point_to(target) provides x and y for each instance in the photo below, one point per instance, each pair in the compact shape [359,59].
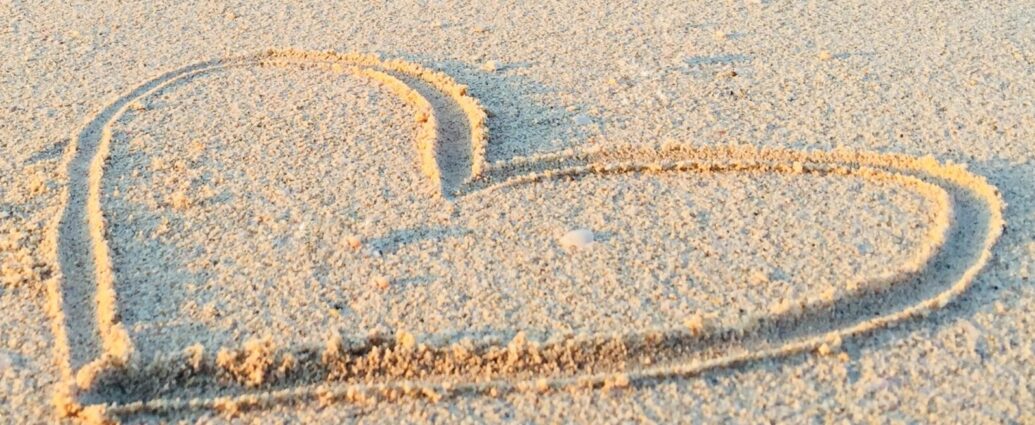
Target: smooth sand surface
[578,212]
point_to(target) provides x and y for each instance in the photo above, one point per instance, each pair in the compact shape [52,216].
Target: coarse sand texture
[341,235]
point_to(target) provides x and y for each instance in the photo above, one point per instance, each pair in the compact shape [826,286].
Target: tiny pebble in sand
[577,239]
[490,66]
[353,242]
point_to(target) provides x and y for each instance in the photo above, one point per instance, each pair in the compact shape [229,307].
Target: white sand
[233,200]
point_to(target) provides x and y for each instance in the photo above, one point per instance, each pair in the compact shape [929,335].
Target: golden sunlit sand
[318,235]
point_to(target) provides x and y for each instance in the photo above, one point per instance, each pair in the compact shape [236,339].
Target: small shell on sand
[577,239]
[825,55]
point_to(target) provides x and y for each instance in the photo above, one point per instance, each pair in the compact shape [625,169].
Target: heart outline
[117,350]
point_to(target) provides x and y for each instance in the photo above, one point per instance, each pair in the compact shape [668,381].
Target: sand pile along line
[111,379]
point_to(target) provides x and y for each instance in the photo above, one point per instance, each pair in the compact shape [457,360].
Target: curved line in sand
[890,168]
[88,153]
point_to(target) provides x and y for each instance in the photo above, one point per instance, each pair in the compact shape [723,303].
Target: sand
[799,212]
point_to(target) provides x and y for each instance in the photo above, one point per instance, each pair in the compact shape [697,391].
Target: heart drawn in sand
[106,375]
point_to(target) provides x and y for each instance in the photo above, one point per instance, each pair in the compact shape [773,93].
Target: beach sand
[580,212]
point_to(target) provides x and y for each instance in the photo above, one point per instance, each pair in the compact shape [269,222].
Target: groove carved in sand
[110,379]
